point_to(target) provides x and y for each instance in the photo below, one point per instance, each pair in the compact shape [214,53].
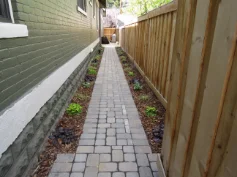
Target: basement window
[8,28]
[4,11]
[82,6]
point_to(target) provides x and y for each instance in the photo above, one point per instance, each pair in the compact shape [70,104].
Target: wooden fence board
[148,42]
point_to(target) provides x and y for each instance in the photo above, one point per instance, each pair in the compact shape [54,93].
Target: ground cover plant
[74,109]
[150,109]
[64,139]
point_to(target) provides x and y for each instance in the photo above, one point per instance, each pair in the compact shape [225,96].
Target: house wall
[39,74]
[57,32]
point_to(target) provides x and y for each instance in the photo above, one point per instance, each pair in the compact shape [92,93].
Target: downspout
[100,25]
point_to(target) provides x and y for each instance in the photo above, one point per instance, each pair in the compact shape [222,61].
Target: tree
[141,7]
[113,3]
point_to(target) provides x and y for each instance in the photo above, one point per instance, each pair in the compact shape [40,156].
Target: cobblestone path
[113,143]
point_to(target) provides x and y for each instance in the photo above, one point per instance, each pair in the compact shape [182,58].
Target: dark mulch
[68,129]
[153,126]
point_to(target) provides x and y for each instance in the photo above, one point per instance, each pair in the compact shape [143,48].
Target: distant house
[45,46]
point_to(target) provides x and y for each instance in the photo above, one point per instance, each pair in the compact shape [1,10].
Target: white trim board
[15,118]
[11,30]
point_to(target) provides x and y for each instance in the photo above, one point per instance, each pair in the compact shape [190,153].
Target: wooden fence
[200,87]
[201,127]
[109,31]
[149,42]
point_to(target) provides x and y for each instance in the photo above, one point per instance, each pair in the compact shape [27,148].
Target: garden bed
[69,128]
[150,109]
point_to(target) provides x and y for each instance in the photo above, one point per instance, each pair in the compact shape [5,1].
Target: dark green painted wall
[57,32]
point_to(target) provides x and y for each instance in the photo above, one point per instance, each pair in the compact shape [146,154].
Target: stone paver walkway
[113,143]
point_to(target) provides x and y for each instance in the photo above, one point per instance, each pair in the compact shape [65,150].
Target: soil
[68,129]
[153,125]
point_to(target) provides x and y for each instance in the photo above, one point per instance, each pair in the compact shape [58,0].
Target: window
[4,11]
[82,6]
[8,28]
[94,8]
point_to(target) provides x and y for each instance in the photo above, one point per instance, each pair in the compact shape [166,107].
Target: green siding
[57,32]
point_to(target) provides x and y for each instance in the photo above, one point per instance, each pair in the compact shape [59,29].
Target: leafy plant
[131,73]
[82,97]
[92,67]
[126,64]
[92,71]
[97,57]
[144,97]
[94,64]
[74,109]
[137,86]
[127,69]
[151,111]
[86,84]
[123,58]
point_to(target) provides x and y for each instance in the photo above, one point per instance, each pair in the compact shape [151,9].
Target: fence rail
[149,43]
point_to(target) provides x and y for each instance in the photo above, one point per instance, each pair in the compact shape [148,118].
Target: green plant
[97,57]
[126,65]
[82,97]
[137,86]
[144,97]
[127,69]
[92,71]
[94,64]
[131,73]
[92,67]
[86,84]
[151,111]
[123,58]
[74,109]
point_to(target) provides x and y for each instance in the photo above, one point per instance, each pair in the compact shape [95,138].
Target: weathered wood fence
[149,42]
[200,137]
[109,31]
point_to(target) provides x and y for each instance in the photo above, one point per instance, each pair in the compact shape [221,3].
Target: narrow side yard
[113,142]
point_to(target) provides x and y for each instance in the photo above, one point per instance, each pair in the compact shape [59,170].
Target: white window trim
[81,10]
[90,2]
[12,30]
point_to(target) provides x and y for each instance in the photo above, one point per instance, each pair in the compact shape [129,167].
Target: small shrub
[137,86]
[82,97]
[97,57]
[126,65]
[86,84]
[92,67]
[94,64]
[131,73]
[127,69]
[144,97]
[92,71]
[151,111]
[74,109]
[123,58]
